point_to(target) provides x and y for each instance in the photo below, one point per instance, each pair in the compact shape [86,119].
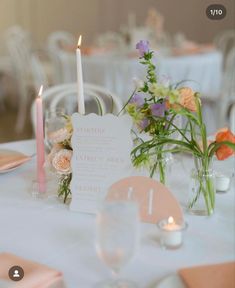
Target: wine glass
[117,232]
[54,121]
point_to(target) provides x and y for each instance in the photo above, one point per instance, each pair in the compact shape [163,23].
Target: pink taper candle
[40,143]
[81,104]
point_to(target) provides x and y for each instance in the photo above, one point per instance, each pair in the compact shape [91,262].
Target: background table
[116,72]
[53,235]
[202,72]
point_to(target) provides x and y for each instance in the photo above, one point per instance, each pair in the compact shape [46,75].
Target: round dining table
[202,71]
[46,231]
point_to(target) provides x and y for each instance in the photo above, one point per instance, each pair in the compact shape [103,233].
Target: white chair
[57,42]
[228,88]
[97,99]
[225,41]
[19,47]
[111,40]
[232,118]
[39,75]
[5,71]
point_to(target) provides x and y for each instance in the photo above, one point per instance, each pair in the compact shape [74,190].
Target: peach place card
[101,156]
[155,200]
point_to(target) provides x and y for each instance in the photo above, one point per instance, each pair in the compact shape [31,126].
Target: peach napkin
[9,161]
[209,276]
[35,275]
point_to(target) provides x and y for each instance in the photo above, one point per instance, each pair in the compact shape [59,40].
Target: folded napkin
[35,275]
[8,161]
[209,276]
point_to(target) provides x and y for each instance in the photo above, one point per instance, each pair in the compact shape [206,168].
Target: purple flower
[143,123]
[158,109]
[143,47]
[137,99]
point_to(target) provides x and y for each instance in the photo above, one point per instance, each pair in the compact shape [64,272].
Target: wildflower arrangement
[154,106]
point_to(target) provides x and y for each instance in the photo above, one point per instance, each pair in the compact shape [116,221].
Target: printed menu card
[101,156]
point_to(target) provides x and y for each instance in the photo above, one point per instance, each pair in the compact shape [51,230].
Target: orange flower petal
[187,99]
[224,151]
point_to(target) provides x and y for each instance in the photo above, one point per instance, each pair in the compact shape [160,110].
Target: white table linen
[202,72]
[116,72]
[54,236]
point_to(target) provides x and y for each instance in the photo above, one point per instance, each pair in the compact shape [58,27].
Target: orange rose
[187,98]
[224,151]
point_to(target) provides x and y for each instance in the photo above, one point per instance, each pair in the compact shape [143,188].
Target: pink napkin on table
[35,275]
[209,276]
[9,161]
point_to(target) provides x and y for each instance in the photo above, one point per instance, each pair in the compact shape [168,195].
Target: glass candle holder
[50,188]
[171,236]
[222,182]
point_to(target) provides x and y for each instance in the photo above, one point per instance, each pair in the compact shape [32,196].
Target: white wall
[90,17]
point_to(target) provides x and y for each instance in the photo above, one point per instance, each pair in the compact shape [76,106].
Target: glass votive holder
[222,182]
[171,233]
[48,189]
[37,190]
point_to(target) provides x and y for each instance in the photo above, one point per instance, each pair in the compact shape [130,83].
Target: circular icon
[16,273]
[216,11]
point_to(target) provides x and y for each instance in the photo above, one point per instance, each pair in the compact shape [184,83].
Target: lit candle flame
[171,220]
[40,91]
[79,41]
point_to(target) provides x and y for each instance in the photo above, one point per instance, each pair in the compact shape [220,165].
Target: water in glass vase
[202,188]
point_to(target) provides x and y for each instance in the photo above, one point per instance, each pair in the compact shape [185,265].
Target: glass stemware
[117,232]
[54,121]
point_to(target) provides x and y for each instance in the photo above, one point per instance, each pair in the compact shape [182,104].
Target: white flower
[58,135]
[138,83]
[61,161]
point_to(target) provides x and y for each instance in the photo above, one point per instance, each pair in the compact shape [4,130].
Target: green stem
[205,184]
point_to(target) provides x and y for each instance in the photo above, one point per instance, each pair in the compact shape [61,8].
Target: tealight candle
[171,233]
[222,182]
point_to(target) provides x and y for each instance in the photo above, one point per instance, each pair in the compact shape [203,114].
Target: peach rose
[58,135]
[56,148]
[61,161]
[224,151]
[187,99]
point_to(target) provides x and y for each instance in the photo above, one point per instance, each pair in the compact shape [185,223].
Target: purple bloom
[143,123]
[158,109]
[137,99]
[143,47]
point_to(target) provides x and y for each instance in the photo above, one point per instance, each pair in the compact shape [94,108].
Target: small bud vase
[202,188]
[160,170]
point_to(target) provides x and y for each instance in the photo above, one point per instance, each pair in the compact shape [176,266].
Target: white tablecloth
[55,236]
[116,72]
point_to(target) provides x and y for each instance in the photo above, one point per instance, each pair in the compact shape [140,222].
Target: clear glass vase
[161,168]
[202,188]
